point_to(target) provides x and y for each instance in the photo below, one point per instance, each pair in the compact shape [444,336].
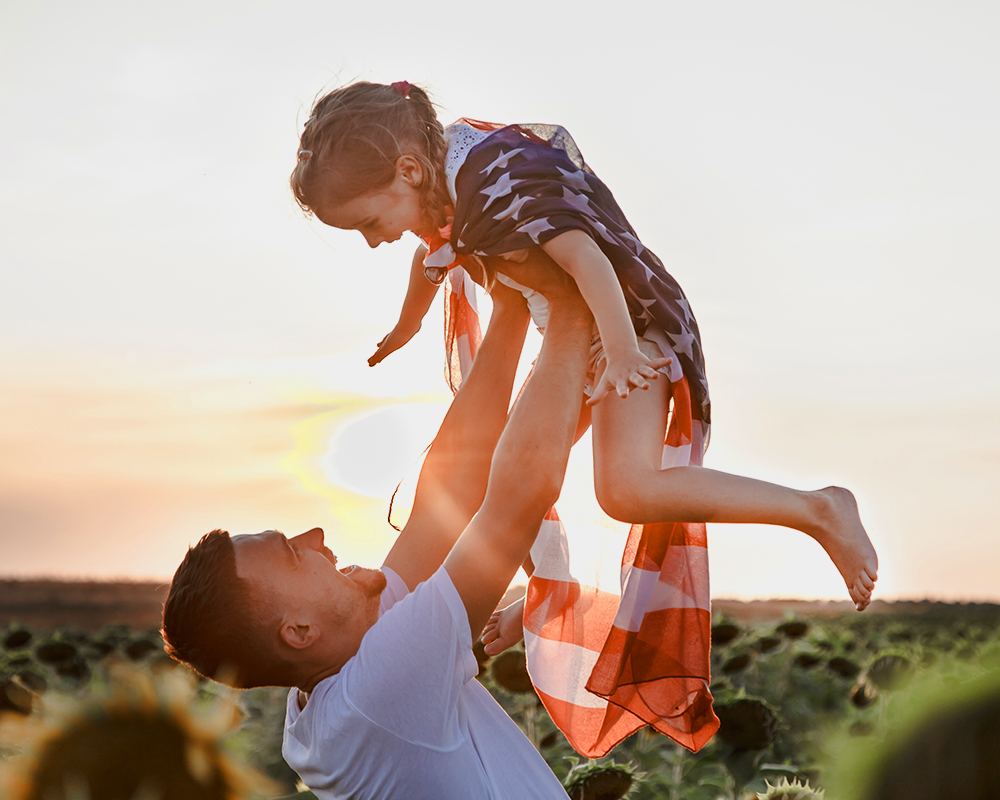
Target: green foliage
[794,686]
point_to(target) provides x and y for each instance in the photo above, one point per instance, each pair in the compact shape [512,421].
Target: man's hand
[539,272]
[506,298]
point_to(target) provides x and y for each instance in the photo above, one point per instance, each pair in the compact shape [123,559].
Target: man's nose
[312,538]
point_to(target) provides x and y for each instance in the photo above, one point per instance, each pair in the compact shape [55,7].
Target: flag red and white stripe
[610,654]
[611,651]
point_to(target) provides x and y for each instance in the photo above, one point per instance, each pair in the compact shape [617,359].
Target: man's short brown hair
[212,619]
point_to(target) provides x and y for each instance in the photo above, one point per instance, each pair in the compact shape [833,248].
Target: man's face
[299,576]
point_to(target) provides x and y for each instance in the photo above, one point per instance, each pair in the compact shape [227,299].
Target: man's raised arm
[530,460]
[453,477]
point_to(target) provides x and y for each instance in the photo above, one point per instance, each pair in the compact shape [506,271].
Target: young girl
[375,159]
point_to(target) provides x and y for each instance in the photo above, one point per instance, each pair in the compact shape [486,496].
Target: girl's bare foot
[845,540]
[505,628]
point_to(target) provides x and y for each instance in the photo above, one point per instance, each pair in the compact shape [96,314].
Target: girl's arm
[419,294]
[627,367]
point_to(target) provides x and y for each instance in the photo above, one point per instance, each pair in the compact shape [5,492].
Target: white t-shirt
[405,718]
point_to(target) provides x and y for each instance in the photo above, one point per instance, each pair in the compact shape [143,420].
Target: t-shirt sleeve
[412,664]
[395,590]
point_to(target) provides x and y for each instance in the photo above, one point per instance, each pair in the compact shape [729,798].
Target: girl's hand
[623,373]
[392,341]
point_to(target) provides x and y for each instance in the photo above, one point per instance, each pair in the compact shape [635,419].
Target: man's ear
[410,170]
[298,636]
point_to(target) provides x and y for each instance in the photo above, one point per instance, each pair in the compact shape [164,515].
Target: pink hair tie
[403,87]
[304,155]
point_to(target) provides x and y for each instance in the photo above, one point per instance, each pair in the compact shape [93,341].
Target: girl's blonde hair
[354,137]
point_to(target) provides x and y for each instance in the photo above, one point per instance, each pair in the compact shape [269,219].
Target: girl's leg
[631,486]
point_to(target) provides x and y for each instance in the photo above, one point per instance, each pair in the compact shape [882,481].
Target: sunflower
[140,739]
[790,791]
[510,670]
[746,723]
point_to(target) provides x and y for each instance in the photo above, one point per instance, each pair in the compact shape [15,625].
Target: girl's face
[384,215]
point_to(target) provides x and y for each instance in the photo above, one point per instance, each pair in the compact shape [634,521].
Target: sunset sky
[180,349]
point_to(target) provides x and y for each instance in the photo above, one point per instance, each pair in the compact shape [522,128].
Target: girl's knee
[616,495]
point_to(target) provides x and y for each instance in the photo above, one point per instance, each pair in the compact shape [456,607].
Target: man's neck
[329,658]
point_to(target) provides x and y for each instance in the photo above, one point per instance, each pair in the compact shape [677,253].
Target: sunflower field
[808,705]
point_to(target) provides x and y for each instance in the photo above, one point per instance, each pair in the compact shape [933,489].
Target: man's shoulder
[438,591]
[394,591]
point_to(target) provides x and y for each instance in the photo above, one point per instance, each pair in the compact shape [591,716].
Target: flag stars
[636,244]
[499,189]
[535,228]
[645,315]
[682,342]
[683,303]
[514,209]
[520,207]
[576,179]
[501,161]
[603,230]
[578,201]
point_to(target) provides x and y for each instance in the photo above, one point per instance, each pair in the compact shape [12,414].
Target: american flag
[606,658]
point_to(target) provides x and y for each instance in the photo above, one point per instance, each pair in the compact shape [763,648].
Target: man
[384,704]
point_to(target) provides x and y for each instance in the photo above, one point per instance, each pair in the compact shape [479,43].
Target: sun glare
[370,454]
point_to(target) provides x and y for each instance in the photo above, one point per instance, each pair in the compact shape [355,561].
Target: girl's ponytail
[435,193]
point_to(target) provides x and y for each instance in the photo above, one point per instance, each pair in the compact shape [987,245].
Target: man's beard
[374,582]
[379,584]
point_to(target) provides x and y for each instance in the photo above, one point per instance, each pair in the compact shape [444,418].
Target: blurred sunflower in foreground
[141,739]
[942,738]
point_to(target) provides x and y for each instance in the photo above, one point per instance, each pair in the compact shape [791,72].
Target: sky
[181,349]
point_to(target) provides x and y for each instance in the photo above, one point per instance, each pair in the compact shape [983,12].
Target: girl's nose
[373,240]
